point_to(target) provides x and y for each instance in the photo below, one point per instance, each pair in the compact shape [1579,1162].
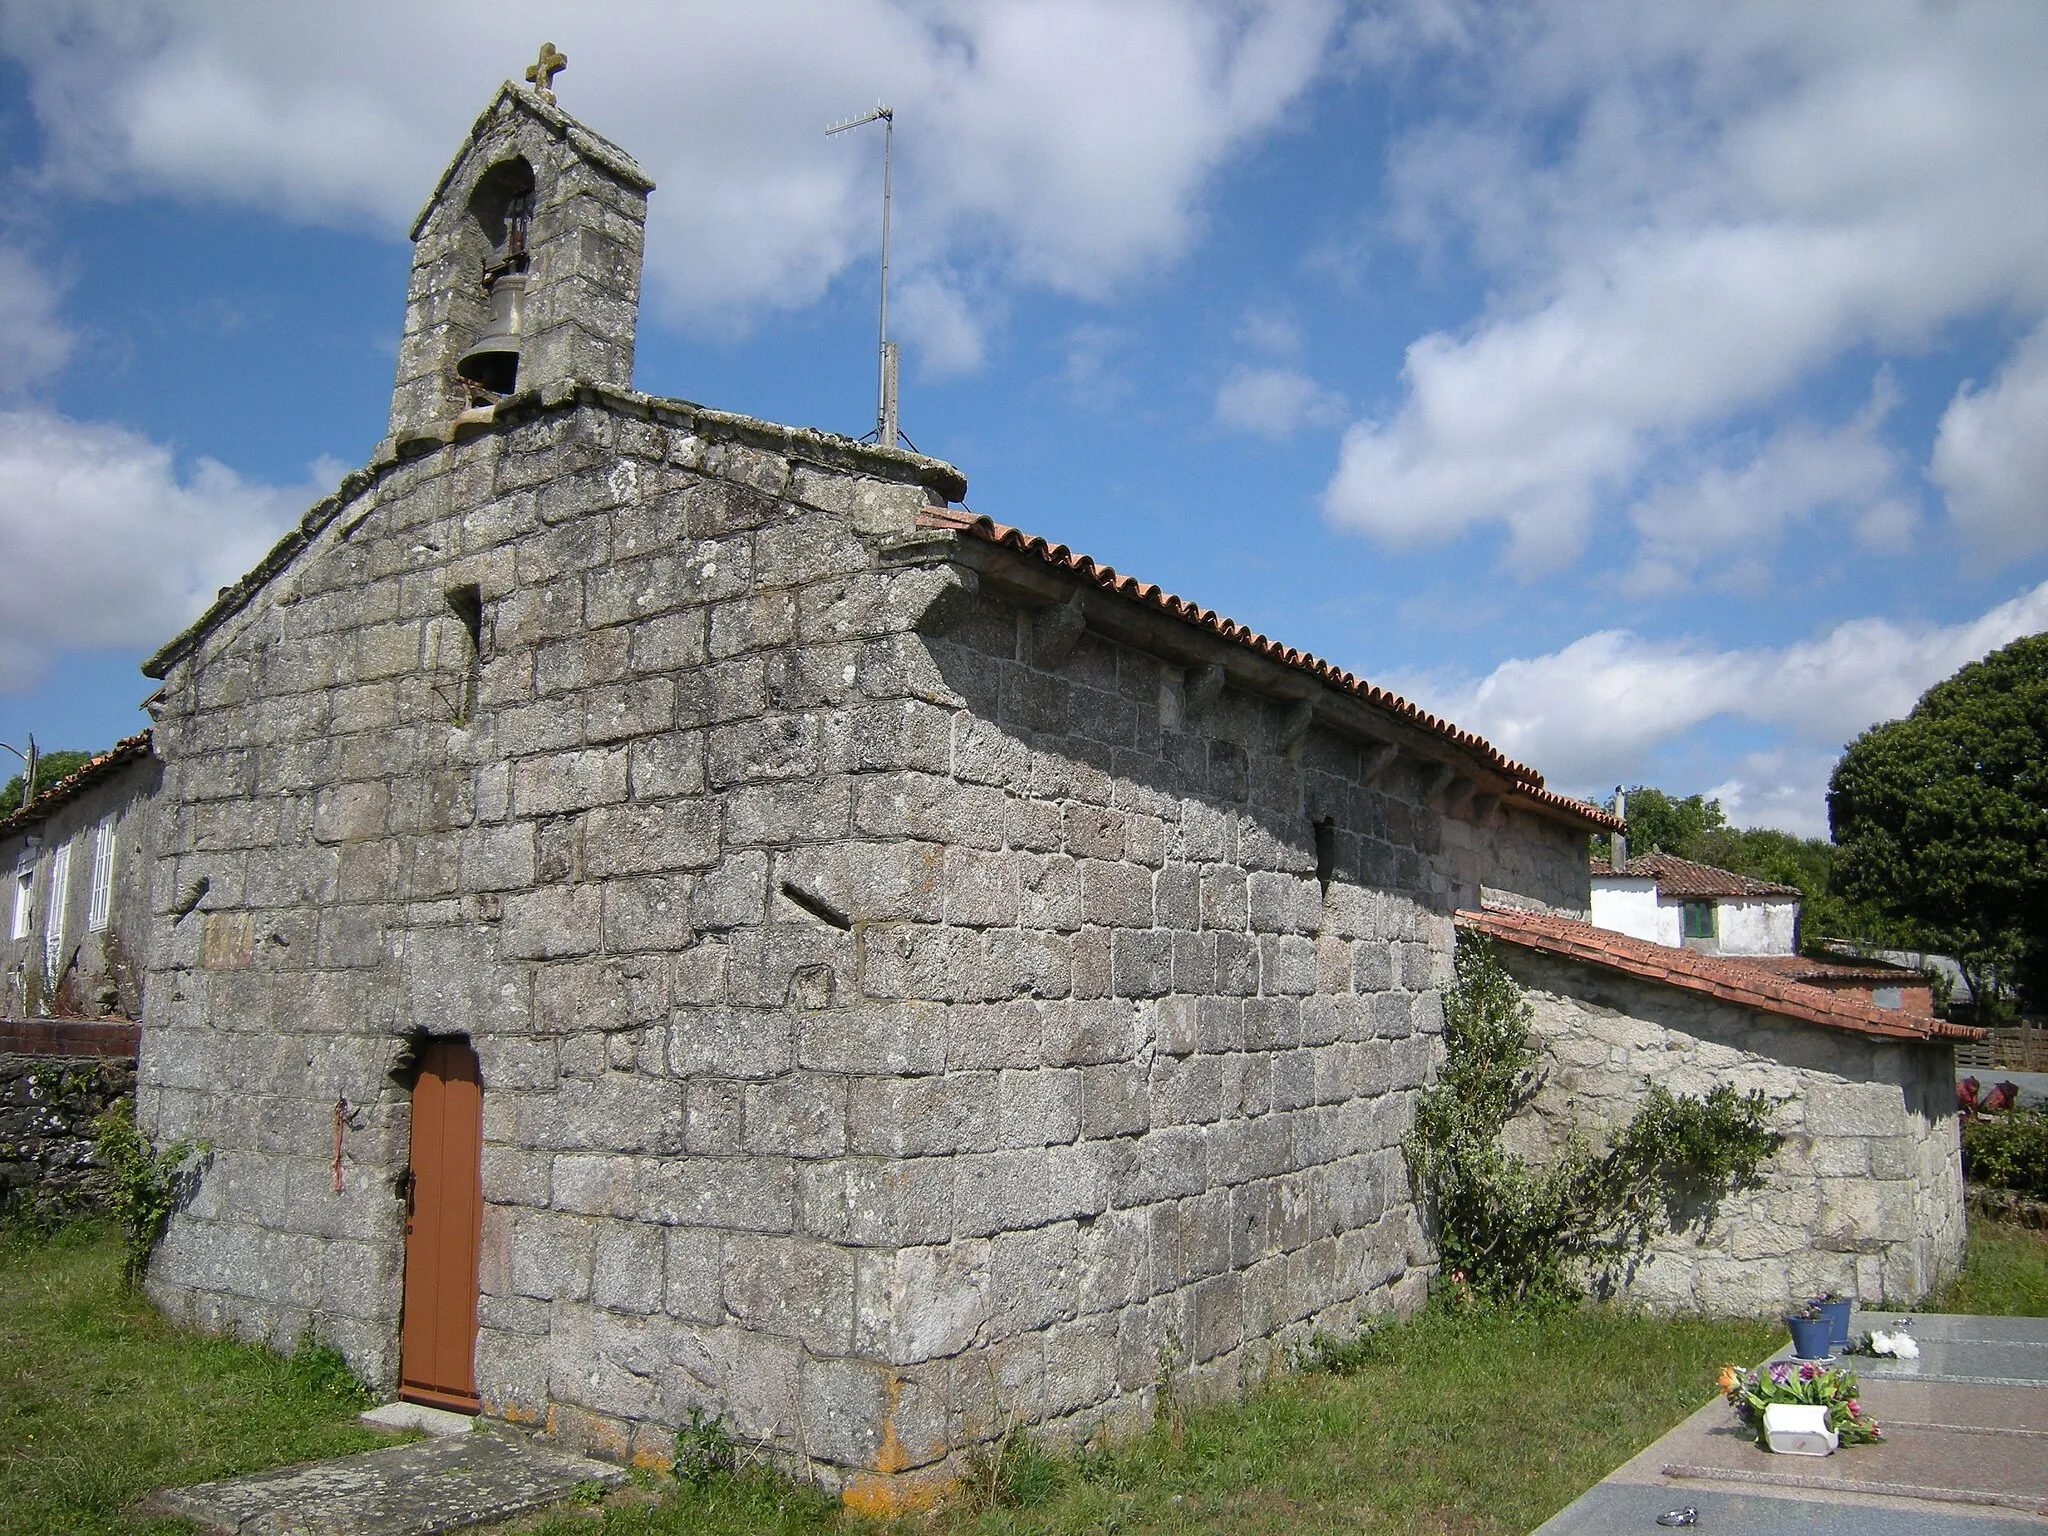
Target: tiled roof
[87,774]
[1806,968]
[1683,878]
[1731,980]
[1528,782]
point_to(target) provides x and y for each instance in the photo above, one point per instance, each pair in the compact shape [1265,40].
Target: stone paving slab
[1631,1509]
[1983,1351]
[1952,1325]
[1964,1453]
[1961,1450]
[410,1490]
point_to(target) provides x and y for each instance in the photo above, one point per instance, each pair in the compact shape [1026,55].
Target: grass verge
[1457,1424]
[1469,1424]
[101,1400]
[2005,1273]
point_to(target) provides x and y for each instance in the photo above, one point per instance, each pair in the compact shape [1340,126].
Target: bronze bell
[492,360]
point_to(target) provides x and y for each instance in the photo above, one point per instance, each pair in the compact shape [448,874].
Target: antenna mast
[885,407]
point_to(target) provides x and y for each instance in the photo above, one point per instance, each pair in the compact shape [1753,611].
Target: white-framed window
[24,896]
[100,897]
[57,893]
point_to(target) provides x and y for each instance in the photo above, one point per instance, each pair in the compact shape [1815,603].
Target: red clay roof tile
[83,776]
[1807,969]
[1732,979]
[1683,877]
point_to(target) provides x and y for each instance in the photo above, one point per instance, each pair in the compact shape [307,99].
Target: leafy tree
[1657,820]
[1942,819]
[50,767]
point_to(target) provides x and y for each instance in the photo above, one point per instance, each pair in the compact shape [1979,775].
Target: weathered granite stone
[48,1103]
[900,1015]
[1866,1195]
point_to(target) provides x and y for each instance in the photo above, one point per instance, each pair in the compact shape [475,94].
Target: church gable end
[916,986]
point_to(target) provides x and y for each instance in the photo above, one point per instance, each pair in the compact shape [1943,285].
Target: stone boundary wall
[70,1037]
[56,1077]
[2006,1206]
[1866,1195]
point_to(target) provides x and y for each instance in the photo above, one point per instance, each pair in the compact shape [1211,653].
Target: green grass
[101,1400]
[2005,1274]
[1457,1424]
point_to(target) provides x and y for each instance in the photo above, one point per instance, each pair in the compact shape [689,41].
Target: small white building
[1663,899]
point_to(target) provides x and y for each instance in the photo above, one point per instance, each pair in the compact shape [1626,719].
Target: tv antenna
[885,405]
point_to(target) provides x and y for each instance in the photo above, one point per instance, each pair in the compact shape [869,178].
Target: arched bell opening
[501,207]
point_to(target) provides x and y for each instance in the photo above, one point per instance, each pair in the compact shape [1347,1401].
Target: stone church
[659,911]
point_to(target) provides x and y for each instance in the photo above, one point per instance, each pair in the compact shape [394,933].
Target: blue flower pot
[1837,1314]
[1810,1337]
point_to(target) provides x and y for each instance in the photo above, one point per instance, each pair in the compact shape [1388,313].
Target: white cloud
[1594,713]
[1055,142]
[1275,402]
[946,330]
[1785,787]
[1991,455]
[1271,333]
[34,343]
[1738,512]
[1744,193]
[1096,372]
[109,545]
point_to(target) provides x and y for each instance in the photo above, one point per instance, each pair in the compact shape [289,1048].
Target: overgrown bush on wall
[147,1183]
[2008,1151]
[1518,1232]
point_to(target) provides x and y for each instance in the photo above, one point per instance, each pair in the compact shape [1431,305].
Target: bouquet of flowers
[1900,1345]
[1795,1381]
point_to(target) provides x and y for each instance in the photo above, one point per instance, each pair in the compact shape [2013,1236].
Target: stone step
[429,1421]
[444,1483]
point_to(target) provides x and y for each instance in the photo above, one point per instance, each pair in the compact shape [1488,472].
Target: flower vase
[1836,1311]
[1810,1337]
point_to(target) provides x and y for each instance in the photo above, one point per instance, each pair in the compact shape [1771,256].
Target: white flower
[1904,1347]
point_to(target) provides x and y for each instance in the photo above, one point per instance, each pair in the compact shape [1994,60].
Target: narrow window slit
[467,604]
[1326,852]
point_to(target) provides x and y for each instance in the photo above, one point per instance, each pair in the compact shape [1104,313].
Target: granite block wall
[891,1028]
[1866,1196]
[56,1078]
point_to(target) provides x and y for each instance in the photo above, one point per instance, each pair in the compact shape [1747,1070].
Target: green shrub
[147,1183]
[2008,1151]
[1513,1232]
[704,1450]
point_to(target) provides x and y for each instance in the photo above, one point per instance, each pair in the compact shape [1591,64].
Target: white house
[1667,900]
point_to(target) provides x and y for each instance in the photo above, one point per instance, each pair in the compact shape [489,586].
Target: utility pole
[28,762]
[885,407]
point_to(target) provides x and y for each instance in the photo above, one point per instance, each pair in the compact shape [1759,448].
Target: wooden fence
[2018,1048]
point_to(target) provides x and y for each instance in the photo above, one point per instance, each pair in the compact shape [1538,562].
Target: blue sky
[1658,390]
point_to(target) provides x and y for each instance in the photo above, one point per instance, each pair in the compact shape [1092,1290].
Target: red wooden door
[443,1230]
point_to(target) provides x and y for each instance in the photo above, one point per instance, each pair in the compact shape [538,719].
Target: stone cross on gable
[542,71]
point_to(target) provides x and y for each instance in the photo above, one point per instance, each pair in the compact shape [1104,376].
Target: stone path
[440,1484]
[1966,1452]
